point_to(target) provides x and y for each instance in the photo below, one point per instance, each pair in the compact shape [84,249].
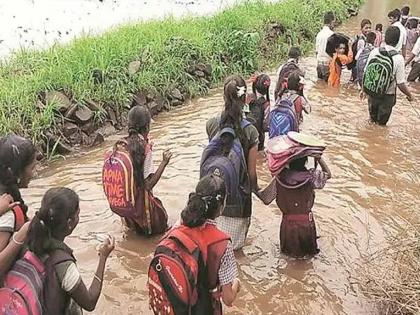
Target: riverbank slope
[76,94]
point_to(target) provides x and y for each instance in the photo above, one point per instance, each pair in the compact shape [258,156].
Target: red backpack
[118,180]
[184,269]
[25,284]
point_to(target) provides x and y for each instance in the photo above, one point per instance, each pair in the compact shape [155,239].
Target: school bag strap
[19,217]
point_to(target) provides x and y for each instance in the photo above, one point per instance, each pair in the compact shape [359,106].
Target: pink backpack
[118,181]
[25,284]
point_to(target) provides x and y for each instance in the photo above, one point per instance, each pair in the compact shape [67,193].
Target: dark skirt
[298,235]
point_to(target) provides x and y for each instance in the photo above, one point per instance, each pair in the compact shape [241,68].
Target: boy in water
[394,17]
[360,43]
[414,56]
[339,59]
[380,108]
[323,59]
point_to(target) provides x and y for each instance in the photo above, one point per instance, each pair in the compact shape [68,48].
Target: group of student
[193,268]
[377,62]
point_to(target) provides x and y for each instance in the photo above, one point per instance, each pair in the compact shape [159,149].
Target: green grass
[165,48]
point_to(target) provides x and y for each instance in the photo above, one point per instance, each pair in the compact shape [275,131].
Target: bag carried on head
[125,198]
[25,284]
[361,62]
[231,167]
[283,118]
[379,73]
[183,271]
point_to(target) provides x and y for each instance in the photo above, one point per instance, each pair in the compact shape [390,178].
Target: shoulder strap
[245,123]
[19,217]
[393,53]
[184,238]
[58,256]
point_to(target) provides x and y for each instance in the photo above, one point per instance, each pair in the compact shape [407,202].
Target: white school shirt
[403,36]
[321,44]
[416,50]
[398,71]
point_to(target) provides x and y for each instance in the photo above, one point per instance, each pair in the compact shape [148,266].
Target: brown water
[375,188]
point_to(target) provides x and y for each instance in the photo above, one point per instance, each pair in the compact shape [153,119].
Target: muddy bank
[75,95]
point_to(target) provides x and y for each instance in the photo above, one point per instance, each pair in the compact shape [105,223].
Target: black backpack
[379,74]
[285,71]
[352,64]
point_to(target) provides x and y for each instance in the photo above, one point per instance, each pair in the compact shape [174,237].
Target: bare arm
[252,167]
[403,88]
[324,167]
[11,250]
[410,58]
[230,291]
[85,298]
[152,180]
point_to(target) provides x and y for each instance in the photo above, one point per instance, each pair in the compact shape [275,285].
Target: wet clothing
[336,64]
[323,71]
[236,228]
[295,198]
[380,108]
[152,217]
[323,59]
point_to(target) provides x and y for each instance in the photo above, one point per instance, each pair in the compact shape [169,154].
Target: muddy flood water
[374,190]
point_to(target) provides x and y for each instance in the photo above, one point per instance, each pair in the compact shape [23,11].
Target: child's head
[329,19]
[207,202]
[295,53]
[295,81]
[261,84]
[57,218]
[405,10]
[392,36]
[394,16]
[298,164]
[379,27]
[17,161]
[340,48]
[412,24]
[234,94]
[139,120]
[371,37]
[365,26]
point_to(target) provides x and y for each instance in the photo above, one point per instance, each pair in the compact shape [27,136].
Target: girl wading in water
[236,218]
[18,158]
[215,279]
[131,161]
[64,289]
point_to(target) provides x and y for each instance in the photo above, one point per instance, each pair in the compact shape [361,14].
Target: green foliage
[230,41]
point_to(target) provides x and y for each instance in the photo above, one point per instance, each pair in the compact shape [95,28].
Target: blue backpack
[282,118]
[231,167]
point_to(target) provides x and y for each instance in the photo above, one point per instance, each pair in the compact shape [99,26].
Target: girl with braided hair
[64,290]
[150,216]
[258,103]
[236,219]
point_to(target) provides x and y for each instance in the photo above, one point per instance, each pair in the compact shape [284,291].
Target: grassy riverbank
[96,82]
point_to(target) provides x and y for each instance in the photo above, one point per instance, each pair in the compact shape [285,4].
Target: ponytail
[138,124]
[57,206]
[205,202]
